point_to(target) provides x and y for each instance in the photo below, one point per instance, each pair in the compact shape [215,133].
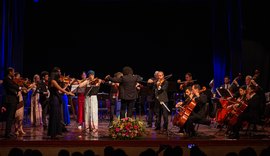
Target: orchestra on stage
[53,97]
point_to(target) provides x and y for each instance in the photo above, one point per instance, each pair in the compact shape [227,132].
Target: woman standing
[36,109]
[55,126]
[91,102]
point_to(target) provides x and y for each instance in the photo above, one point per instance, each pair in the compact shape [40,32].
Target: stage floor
[208,136]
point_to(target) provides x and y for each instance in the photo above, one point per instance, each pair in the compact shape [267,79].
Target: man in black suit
[199,113]
[161,101]
[44,96]
[127,90]
[11,90]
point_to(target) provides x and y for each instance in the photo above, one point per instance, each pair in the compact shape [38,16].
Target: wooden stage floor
[210,139]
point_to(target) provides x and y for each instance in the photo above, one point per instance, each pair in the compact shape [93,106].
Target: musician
[91,102]
[55,126]
[65,102]
[223,102]
[81,101]
[199,114]
[182,104]
[150,98]
[36,109]
[114,96]
[63,85]
[249,81]
[233,108]
[252,81]
[127,90]
[251,114]
[161,96]
[226,84]
[44,97]
[20,109]
[11,99]
[188,82]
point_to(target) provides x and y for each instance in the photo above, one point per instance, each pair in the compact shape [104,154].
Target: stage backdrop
[210,39]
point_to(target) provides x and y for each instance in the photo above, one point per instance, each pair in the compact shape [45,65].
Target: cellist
[198,115]
[233,109]
[181,106]
[250,114]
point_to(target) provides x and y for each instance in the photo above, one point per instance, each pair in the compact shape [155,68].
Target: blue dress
[65,109]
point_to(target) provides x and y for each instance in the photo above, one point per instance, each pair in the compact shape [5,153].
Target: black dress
[54,127]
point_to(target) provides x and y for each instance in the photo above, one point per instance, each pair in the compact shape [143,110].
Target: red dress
[80,108]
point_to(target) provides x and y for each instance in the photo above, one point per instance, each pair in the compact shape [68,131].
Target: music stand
[222,92]
[76,89]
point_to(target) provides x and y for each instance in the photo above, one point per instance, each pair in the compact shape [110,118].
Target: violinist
[23,83]
[55,125]
[150,98]
[91,102]
[20,107]
[114,97]
[161,95]
[11,90]
[44,97]
[36,109]
[66,83]
[81,98]
[188,82]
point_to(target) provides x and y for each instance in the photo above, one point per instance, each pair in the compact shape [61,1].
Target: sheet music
[77,89]
[222,92]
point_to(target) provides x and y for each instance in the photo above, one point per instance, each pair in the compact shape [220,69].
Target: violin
[183,84]
[159,82]
[66,79]
[22,82]
[96,81]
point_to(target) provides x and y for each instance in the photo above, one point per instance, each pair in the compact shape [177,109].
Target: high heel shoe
[22,132]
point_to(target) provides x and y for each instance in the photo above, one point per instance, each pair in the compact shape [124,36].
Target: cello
[237,108]
[182,116]
[232,116]
[189,104]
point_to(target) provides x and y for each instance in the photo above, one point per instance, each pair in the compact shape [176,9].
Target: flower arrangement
[126,128]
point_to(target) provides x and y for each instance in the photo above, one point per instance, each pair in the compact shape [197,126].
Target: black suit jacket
[162,95]
[11,90]
[127,86]
[42,87]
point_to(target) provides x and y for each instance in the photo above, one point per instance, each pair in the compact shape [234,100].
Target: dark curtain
[11,53]
[12,19]
[226,39]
